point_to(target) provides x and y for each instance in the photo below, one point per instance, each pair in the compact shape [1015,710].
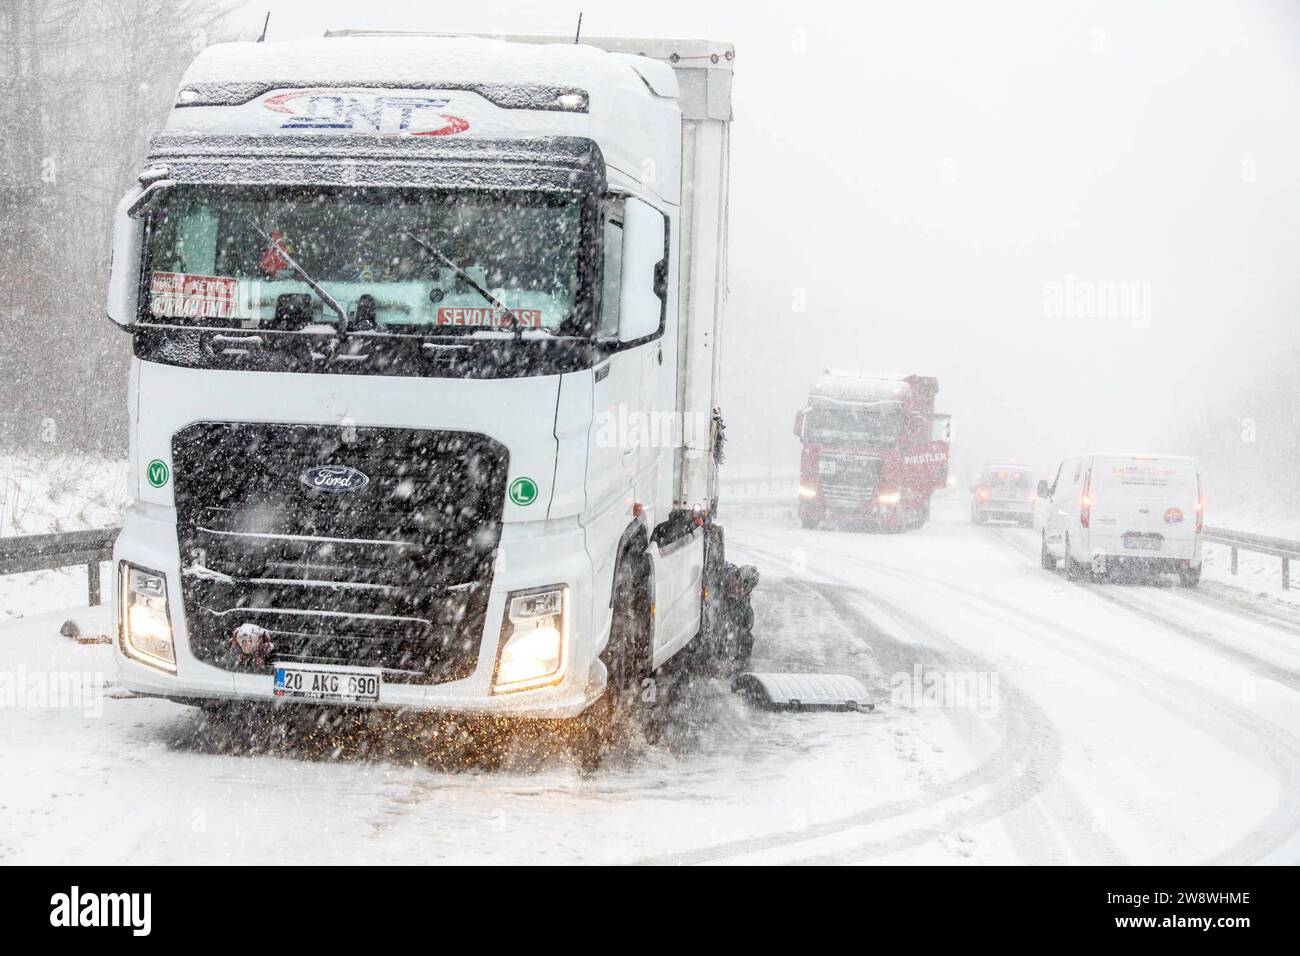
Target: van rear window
[1005,478]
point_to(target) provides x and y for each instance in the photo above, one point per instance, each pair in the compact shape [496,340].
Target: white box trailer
[703,71]
[424,396]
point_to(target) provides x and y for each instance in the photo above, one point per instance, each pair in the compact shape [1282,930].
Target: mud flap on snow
[788,692]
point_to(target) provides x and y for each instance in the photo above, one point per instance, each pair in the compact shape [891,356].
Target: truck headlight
[144,629]
[890,498]
[807,491]
[534,640]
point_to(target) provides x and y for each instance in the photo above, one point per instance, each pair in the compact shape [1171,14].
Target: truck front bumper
[530,555]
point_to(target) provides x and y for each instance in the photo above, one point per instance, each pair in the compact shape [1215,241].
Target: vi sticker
[158,472]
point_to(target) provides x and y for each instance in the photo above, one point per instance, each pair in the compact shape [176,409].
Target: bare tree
[84,82]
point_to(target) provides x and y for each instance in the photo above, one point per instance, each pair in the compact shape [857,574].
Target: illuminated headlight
[535,640]
[807,491]
[890,498]
[145,630]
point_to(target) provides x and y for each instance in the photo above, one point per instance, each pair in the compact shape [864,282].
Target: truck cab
[422,401]
[872,450]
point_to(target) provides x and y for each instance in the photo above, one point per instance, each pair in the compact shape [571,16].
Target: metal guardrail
[759,487]
[45,552]
[1259,544]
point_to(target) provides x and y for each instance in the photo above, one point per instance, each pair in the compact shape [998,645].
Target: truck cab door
[926,454]
[616,393]
[646,284]
[647,328]
[627,447]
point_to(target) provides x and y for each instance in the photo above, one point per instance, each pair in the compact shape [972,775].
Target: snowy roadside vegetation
[54,494]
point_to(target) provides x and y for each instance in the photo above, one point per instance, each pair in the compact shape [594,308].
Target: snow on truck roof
[425,60]
[622,94]
[856,387]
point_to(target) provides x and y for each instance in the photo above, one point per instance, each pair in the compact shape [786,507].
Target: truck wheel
[627,664]
[736,637]
[1047,558]
[808,522]
[727,642]
[976,516]
[1189,577]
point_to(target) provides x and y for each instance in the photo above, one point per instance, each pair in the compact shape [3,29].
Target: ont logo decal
[366,112]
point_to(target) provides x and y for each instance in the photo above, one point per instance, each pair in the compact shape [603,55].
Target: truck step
[788,692]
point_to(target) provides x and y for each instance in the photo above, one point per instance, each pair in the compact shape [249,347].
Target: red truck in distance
[873,450]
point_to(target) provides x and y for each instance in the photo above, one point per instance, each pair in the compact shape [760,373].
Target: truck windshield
[875,425]
[219,256]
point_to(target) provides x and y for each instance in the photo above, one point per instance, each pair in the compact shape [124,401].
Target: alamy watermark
[965,690]
[53,690]
[128,910]
[1077,298]
[624,427]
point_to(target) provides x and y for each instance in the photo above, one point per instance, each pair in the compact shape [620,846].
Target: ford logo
[334,478]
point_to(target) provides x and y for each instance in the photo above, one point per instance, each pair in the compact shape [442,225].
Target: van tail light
[1200,506]
[1085,503]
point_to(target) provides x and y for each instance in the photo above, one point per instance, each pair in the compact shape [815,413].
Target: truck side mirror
[1043,490]
[124,273]
[798,423]
[645,253]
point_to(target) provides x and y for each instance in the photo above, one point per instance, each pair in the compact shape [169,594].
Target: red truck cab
[873,450]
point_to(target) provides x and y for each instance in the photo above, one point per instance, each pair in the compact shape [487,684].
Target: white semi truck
[423,402]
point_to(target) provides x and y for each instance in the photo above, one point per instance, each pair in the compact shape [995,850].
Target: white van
[1123,512]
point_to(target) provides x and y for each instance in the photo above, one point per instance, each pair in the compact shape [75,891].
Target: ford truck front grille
[363,546]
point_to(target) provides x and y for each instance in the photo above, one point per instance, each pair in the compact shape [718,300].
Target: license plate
[1142,542]
[327,682]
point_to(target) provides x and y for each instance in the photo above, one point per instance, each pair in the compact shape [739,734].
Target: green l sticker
[523,491]
[158,472]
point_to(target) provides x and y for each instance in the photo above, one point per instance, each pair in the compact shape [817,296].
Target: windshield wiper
[324,296]
[515,323]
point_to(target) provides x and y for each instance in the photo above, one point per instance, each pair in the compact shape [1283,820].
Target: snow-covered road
[1087,723]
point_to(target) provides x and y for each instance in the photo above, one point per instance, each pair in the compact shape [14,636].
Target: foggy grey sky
[918,172]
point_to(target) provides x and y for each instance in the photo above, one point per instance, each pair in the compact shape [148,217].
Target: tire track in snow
[1020,768]
[1155,603]
[1273,746]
